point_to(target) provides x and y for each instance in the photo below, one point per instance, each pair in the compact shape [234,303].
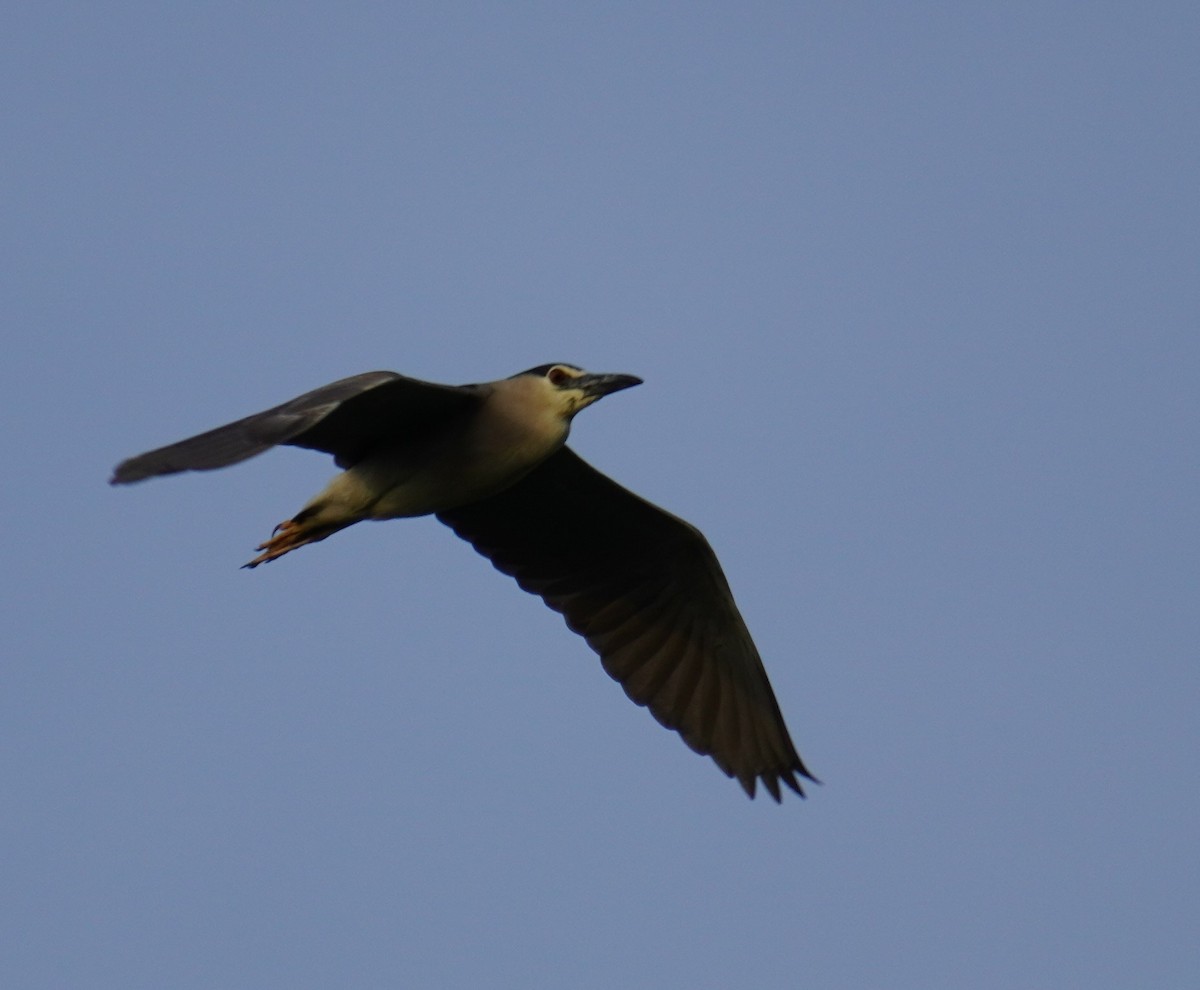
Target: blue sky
[914,292]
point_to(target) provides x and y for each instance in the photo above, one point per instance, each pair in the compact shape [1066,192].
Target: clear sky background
[914,289]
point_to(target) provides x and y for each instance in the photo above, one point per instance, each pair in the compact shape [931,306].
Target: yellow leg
[287,536]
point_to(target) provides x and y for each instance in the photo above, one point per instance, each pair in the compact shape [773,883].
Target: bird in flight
[641,586]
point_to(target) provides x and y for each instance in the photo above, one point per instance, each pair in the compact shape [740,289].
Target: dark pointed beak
[595,386]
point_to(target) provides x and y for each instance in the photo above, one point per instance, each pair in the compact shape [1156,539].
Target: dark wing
[348,419]
[645,590]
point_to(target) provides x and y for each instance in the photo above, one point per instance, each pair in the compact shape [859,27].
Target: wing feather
[347,418]
[646,591]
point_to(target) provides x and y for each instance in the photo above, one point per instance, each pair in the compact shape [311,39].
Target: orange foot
[286,536]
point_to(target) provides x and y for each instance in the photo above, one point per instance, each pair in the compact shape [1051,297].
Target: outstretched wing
[645,590]
[348,418]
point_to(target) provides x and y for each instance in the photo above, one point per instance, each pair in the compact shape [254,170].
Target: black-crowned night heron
[642,586]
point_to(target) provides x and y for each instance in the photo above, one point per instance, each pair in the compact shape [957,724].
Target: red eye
[557,376]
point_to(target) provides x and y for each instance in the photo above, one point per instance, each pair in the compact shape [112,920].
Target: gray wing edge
[248,437]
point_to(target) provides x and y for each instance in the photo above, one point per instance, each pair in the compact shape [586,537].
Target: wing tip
[122,475]
[134,469]
[771,779]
